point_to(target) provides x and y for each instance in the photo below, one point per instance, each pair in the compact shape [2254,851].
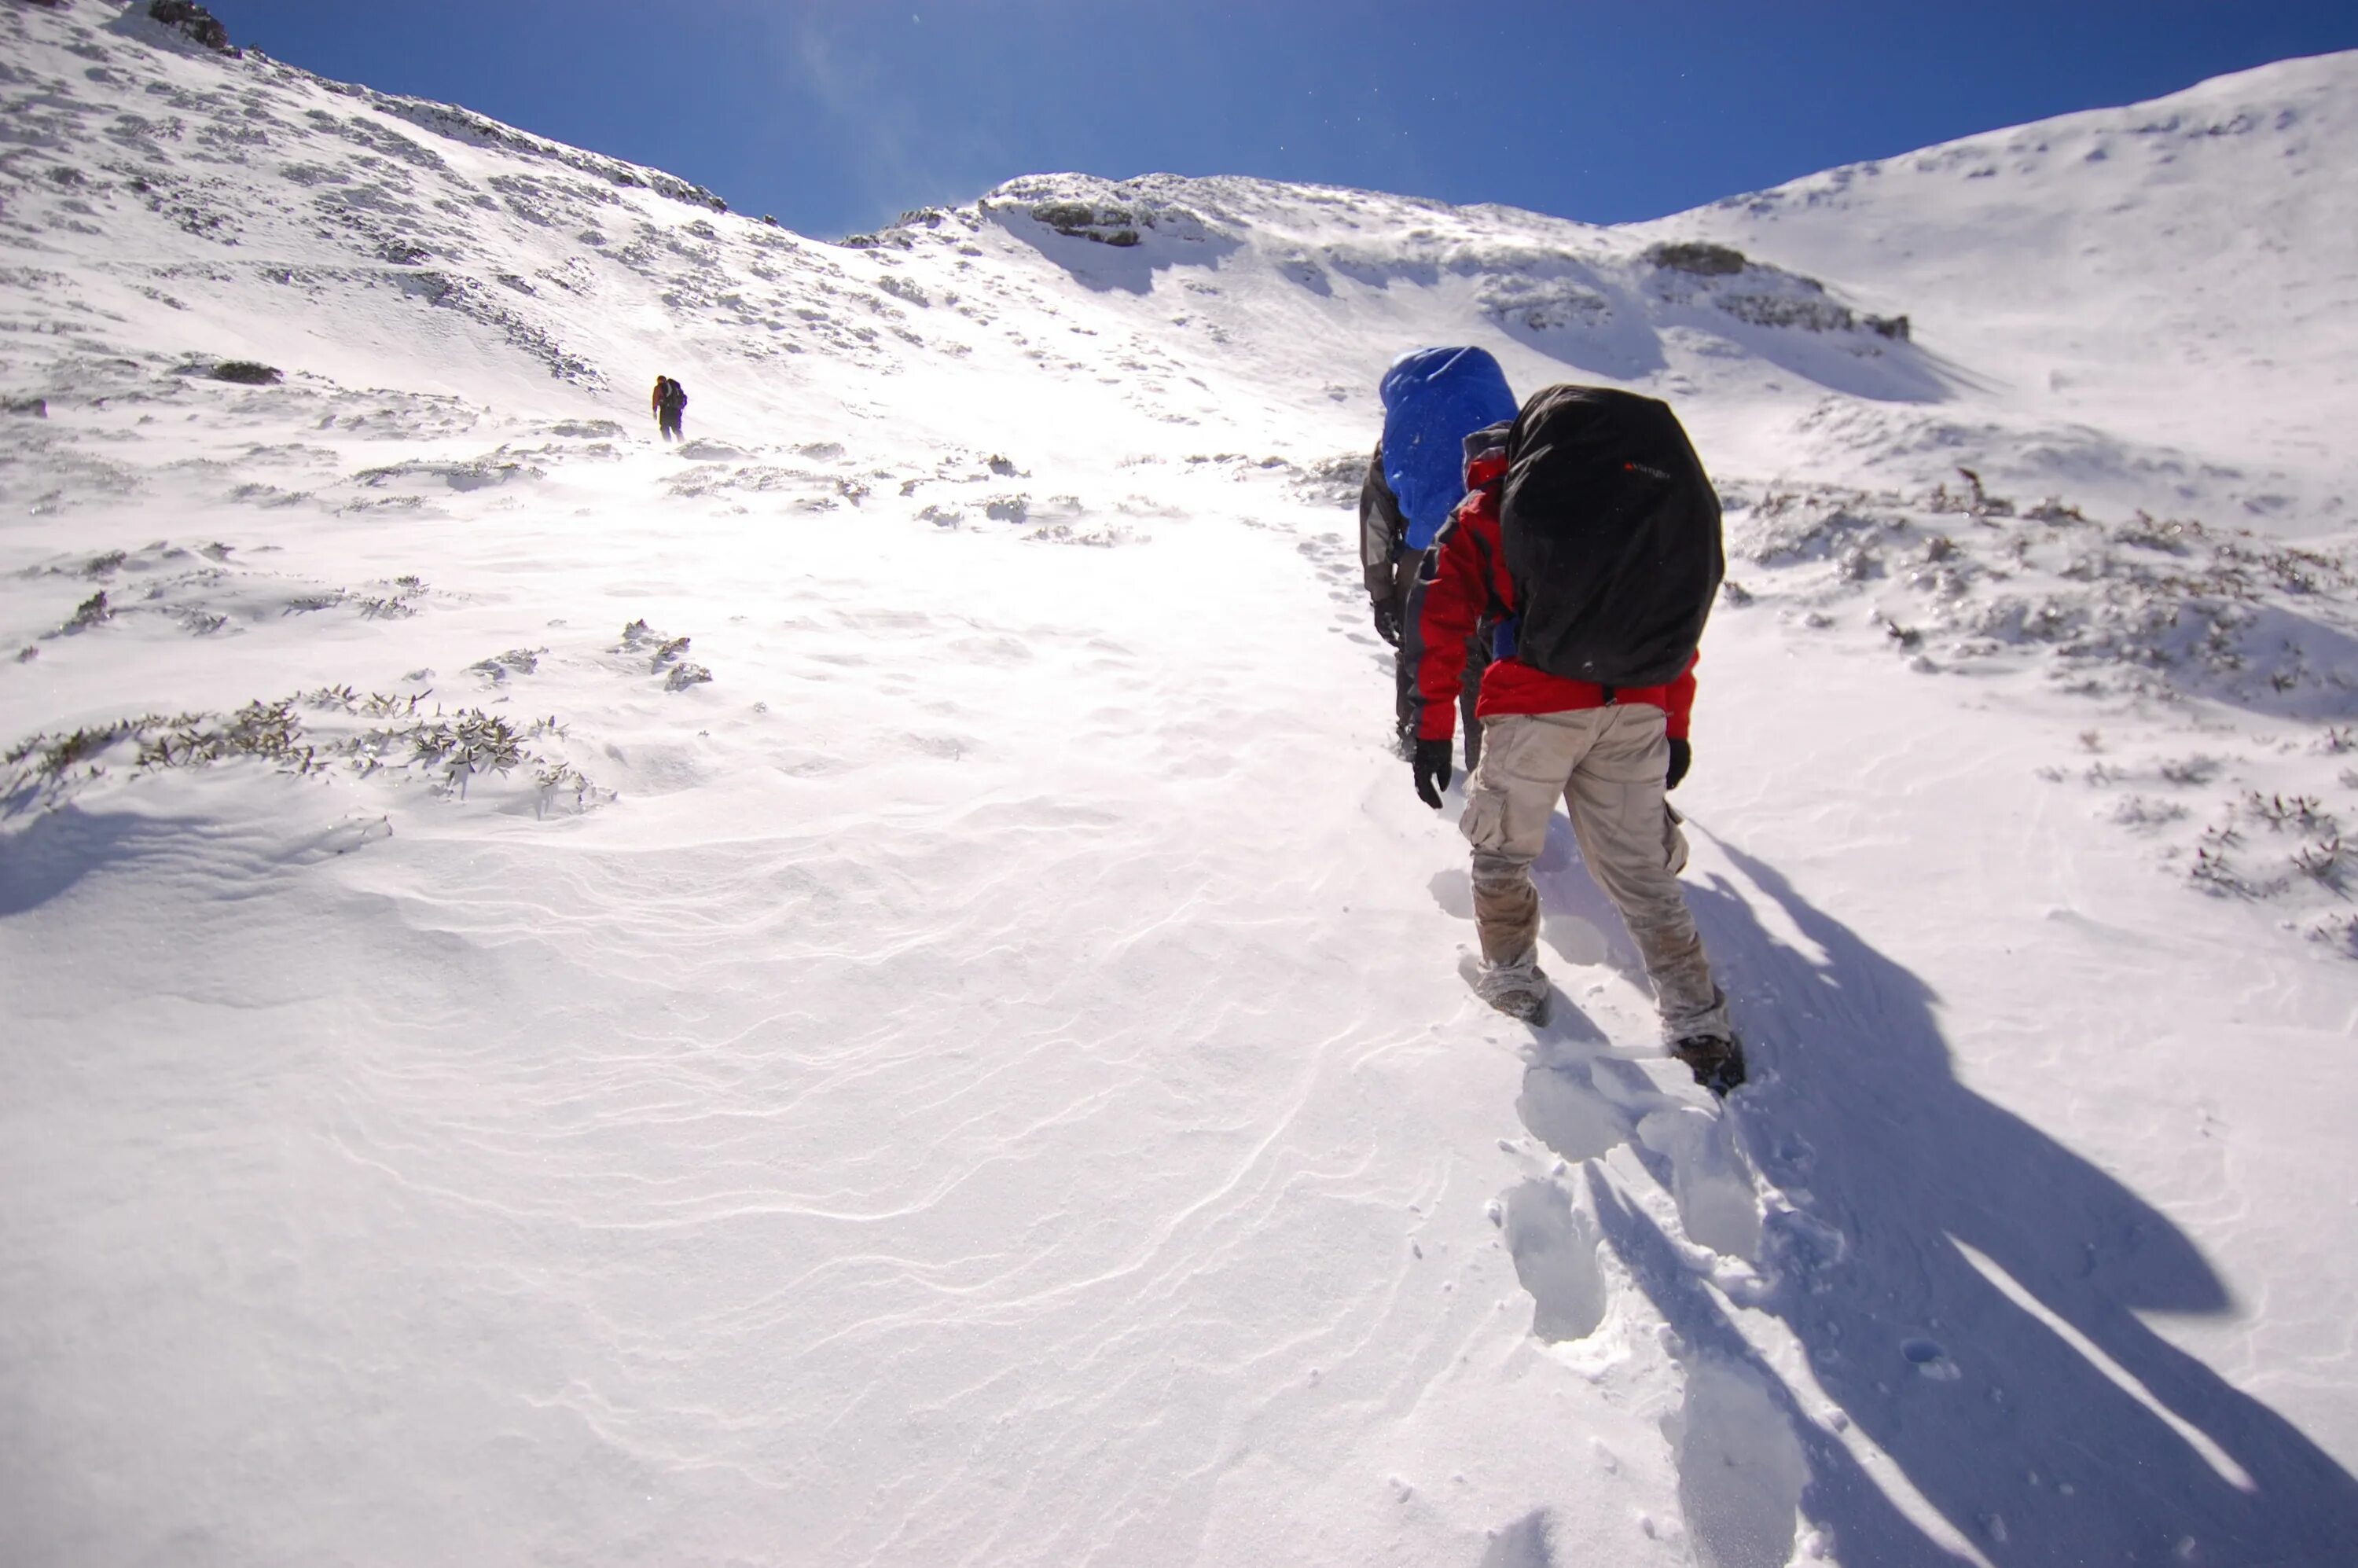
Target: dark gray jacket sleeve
[1381,528]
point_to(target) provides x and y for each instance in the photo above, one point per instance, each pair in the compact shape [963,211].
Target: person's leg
[1619,816]
[1527,762]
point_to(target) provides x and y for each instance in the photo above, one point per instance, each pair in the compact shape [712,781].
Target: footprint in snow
[1583,1102]
[1563,1109]
[1529,1542]
[1555,1249]
[1710,1180]
[1741,1470]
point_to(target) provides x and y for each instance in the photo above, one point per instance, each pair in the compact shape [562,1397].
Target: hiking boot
[1518,990]
[1715,1060]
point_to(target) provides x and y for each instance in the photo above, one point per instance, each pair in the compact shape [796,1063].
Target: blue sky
[837,114]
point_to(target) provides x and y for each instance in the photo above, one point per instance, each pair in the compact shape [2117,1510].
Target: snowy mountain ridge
[865,988]
[483,237]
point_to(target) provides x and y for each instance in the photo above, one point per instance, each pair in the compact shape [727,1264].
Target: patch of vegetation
[387,734]
[92,612]
[2167,620]
[668,656]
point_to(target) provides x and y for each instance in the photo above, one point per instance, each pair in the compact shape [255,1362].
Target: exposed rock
[1542,304]
[1758,293]
[1108,225]
[1808,309]
[1699,257]
[246,372]
[200,24]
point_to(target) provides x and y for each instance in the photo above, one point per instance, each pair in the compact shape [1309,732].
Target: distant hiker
[1590,540]
[669,402]
[1432,399]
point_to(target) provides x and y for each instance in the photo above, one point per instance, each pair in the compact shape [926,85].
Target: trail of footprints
[1741,1468]
[1580,1105]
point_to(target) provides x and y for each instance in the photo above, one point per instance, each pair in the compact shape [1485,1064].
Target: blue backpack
[1435,398]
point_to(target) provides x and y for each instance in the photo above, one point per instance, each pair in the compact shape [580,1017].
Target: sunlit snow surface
[863,990]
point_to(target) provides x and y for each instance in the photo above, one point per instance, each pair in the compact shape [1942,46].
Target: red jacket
[1465,587]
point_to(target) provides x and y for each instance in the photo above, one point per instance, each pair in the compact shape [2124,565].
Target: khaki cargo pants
[1607,765]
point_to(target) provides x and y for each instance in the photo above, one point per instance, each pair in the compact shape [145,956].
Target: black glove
[1388,625]
[1432,764]
[1681,759]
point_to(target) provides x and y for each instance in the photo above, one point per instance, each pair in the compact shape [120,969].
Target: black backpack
[1611,532]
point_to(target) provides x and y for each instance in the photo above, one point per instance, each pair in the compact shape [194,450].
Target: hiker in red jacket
[1609,752]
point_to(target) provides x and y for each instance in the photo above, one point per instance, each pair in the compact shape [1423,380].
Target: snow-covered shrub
[448,748]
[668,656]
[2164,619]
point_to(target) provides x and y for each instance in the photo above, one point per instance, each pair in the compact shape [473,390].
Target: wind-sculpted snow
[578,998]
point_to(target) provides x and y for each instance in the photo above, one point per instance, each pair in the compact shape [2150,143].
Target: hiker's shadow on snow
[1966,1290]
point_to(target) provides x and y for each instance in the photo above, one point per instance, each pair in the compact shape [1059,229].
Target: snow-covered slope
[2180,270]
[863,988]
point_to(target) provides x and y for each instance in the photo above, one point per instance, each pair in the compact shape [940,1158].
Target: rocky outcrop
[1700,258]
[200,26]
[1757,293]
